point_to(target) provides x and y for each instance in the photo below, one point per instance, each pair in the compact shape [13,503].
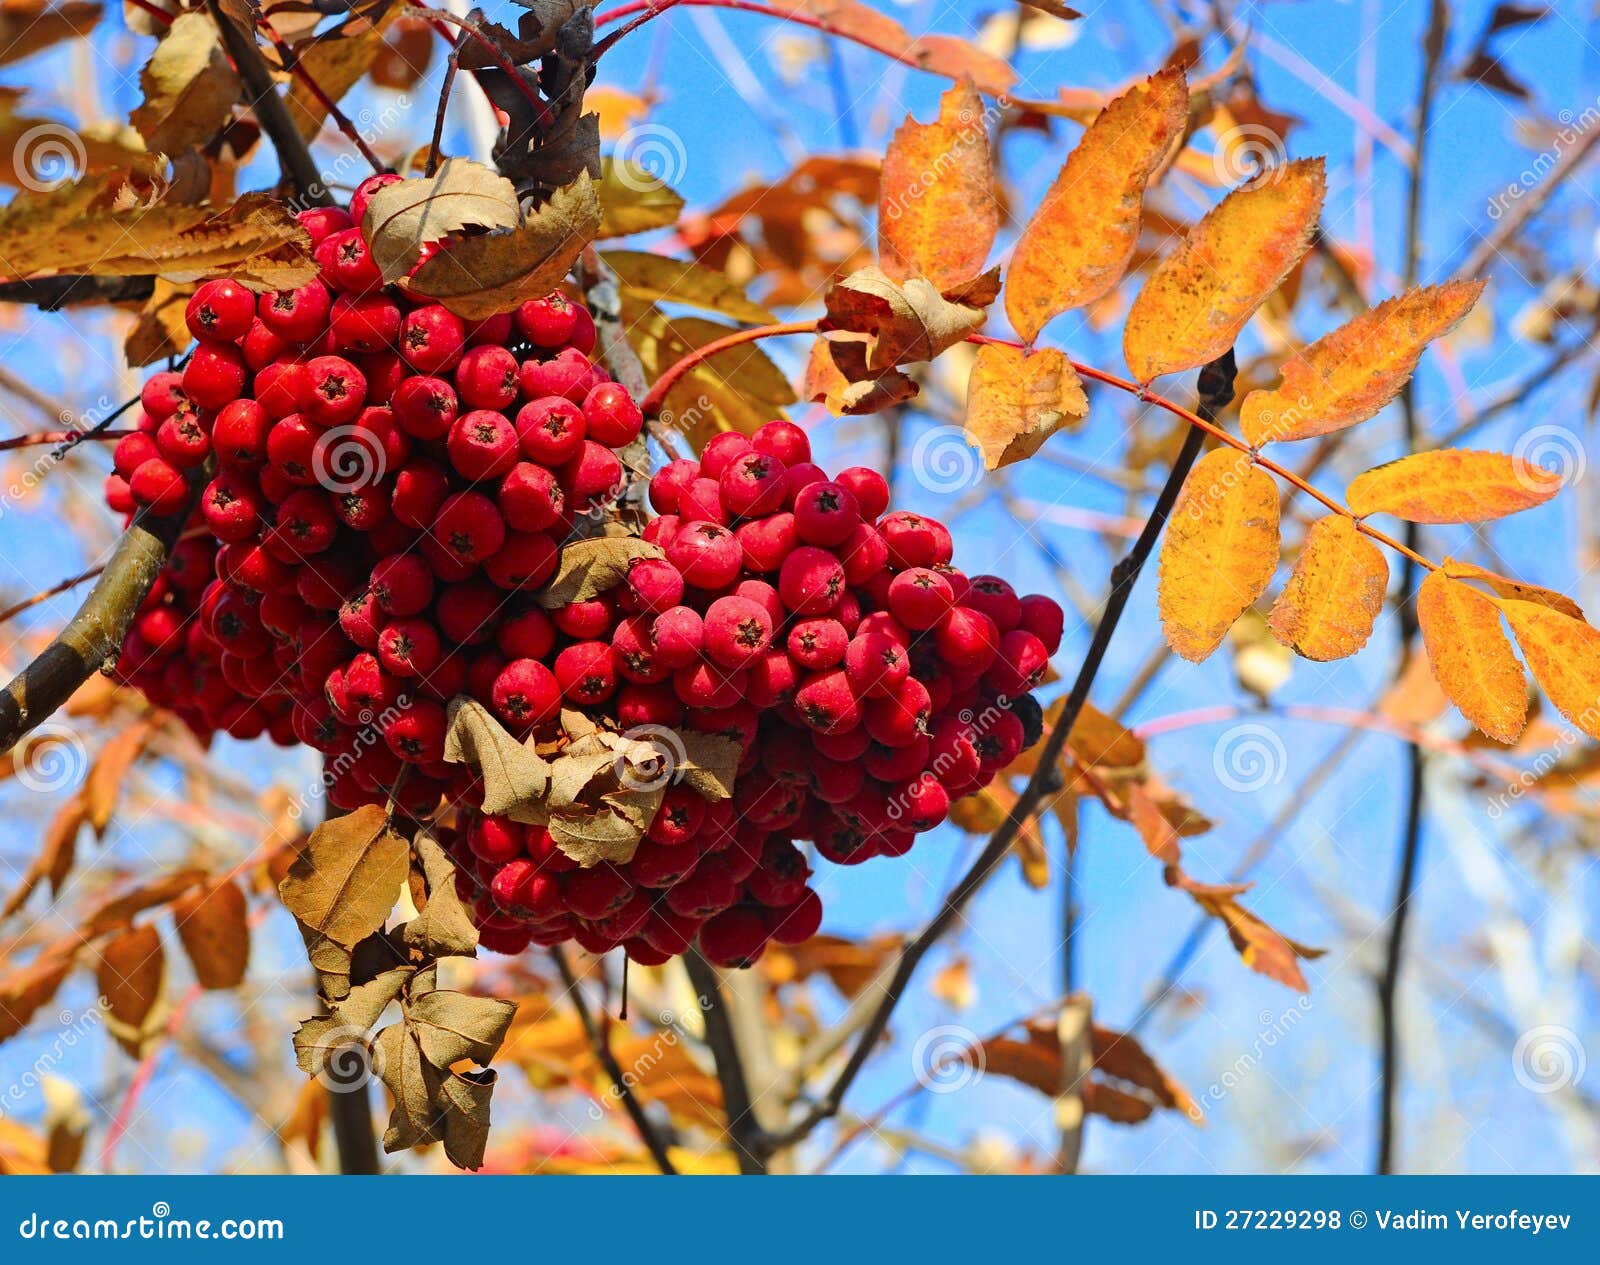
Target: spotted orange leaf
[1220,552]
[1200,296]
[1505,586]
[1352,373]
[1452,485]
[1471,656]
[1327,609]
[1016,400]
[1564,654]
[937,214]
[1078,243]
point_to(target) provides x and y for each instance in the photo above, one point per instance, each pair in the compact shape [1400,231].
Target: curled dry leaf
[1452,485]
[1220,551]
[103,783]
[1352,373]
[589,568]
[189,86]
[445,926]
[937,214]
[403,217]
[453,1026]
[1078,243]
[1199,297]
[24,989]
[516,780]
[1471,657]
[345,881]
[129,975]
[837,375]
[1261,947]
[1328,607]
[907,322]
[1016,400]
[479,277]
[214,929]
[1564,655]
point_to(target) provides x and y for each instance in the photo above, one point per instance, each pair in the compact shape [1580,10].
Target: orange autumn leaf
[1198,298]
[1471,657]
[1260,946]
[1452,485]
[1016,400]
[937,214]
[1327,609]
[1564,656]
[1505,586]
[1220,552]
[1078,243]
[1352,373]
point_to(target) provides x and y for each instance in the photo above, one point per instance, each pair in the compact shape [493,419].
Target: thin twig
[600,1042]
[751,1145]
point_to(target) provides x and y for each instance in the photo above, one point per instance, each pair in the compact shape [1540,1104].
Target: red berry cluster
[390,483]
[868,681]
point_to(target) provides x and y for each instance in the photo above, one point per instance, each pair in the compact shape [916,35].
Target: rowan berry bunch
[388,488]
[868,681]
[389,484]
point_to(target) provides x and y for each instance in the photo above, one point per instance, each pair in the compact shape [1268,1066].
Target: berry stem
[291,62]
[650,406]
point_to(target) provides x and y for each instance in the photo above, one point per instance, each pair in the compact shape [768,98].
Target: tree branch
[1216,390]
[94,636]
[53,293]
[750,1142]
[602,1050]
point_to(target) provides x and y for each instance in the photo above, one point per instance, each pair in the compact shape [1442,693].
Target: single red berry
[753,484]
[240,433]
[967,640]
[281,388]
[870,489]
[431,339]
[531,498]
[319,221]
[734,938]
[707,555]
[547,322]
[183,440]
[610,415]
[1042,616]
[720,451]
[364,322]
[525,560]
[678,633]
[402,584]
[736,631]
[261,345]
[487,377]
[796,923]
[220,310]
[810,581]
[1019,666]
[482,445]
[919,598]
[702,500]
[875,663]
[469,527]
[783,440]
[551,430]
[297,316]
[132,451]
[667,484]
[215,375]
[815,644]
[425,406]
[350,261]
[416,731]
[530,635]
[586,673]
[568,375]
[160,485]
[525,693]
[996,599]
[338,391]
[827,704]
[409,647]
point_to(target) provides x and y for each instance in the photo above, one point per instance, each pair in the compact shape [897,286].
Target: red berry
[482,445]
[547,322]
[817,643]
[919,598]
[409,647]
[870,489]
[783,440]
[1020,664]
[736,631]
[734,938]
[220,310]
[678,634]
[1042,616]
[569,375]
[707,555]
[551,430]
[417,732]
[525,693]
[487,377]
[530,635]
[810,581]
[296,315]
[364,322]
[798,922]
[402,584]
[215,375]
[240,433]
[753,484]
[827,704]
[425,406]
[967,640]
[524,561]
[431,338]
[720,451]
[826,514]
[160,485]
[469,527]
[586,673]
[610,415]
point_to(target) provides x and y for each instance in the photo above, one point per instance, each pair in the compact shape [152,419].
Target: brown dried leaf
[479,277]
[403,217]
[189,86]
[214,928]
[445,926]
[345,881]
[130,973]
[161,329]
[1328,607]
[647,278]
[1016,400]
[837,375]
[515,778]
[589,568]
[24,989]
[103,783]
[451,1026]
[907,322]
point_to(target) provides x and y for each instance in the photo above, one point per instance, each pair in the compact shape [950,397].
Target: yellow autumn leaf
[1452,485]
[1327,609]
[1199,297]
[1016,400]
[1220,551]
[189,87]
[1078,243]
[937,214]
[1471,657]
[1352,373]
[1505,586]
[1564,655]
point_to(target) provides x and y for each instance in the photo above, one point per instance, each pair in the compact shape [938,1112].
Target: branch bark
[751,1144]
[1215,391]
[93,637]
